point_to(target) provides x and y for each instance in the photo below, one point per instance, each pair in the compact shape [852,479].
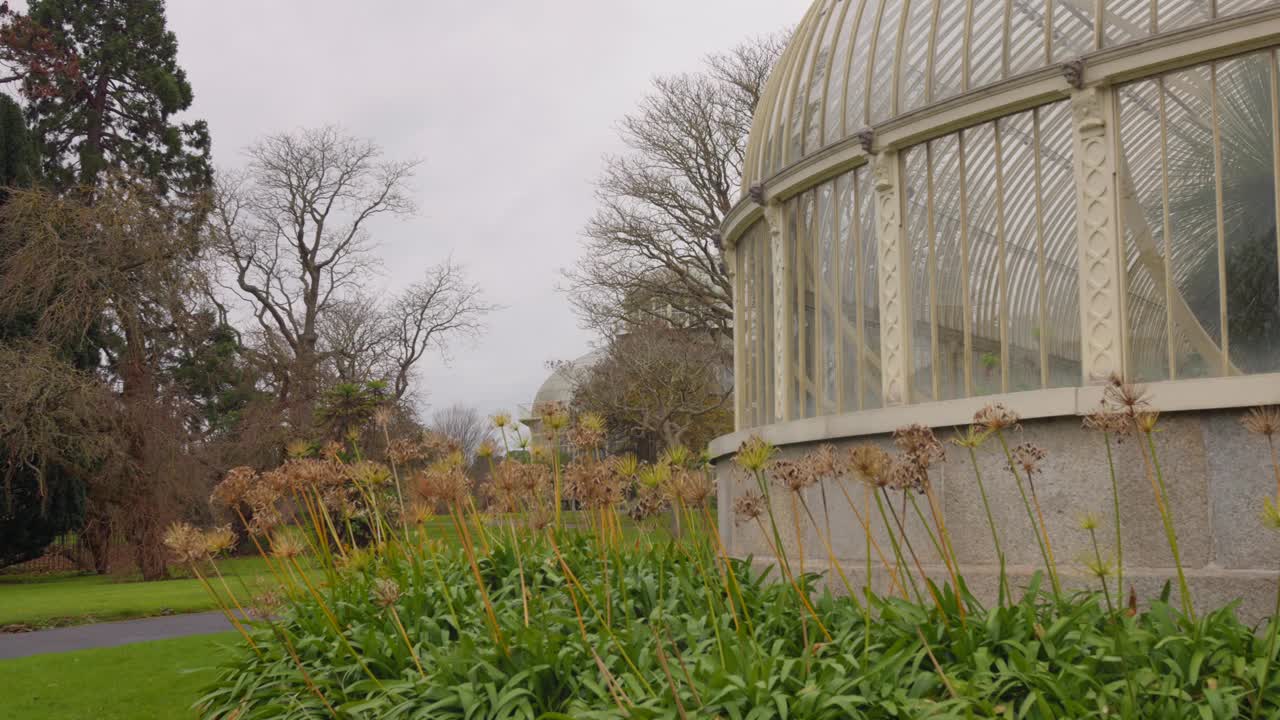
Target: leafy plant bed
[513,615]
[652,632]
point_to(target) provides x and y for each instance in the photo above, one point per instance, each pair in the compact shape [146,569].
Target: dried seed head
[1124,395]
[186,542]
[501,420]
[919,442]
[555,416]
[1029,457]
[748,506]
[219,540]
[384,416]
[693,487]
[870,464]
[286,545]
[385,592]
[1107,420]
[754,455]
[793,475]
[906,474]
[403,451]
[825,463]
[996,417]
[368,473]
[486,449]
[233,488]
[1263,421]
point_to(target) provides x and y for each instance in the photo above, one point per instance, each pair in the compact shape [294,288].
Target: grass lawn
[75,599]
[144,681]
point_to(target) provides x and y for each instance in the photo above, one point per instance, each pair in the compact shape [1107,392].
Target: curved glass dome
[1040,237]
[852,64]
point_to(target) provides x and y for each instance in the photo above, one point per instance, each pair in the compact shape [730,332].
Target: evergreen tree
[116,108]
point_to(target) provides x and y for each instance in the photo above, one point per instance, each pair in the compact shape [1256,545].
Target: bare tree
[657,382]
[464,425]
[294,230]
[355,337]
[652,248]
[430,314]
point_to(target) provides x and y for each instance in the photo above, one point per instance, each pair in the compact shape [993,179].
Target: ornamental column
[895,351]
[783,299]
[1100,260]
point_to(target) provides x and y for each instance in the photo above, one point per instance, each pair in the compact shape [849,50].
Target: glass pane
[837,76]
[914,63]
[1026,36]
[949,294]
[1142,209]
[850,281]
[948,61]
[1193,245]
[984,259]
[919,265]
[1061,332]
[855,95]
[1125,20]
[825,299]
[886,61]
[1173,14]
[1072,29]
[822,60]
[871,378]
[986,43]
[1249,212]
[1021,250]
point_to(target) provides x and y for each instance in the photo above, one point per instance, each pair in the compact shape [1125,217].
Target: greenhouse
[949,203]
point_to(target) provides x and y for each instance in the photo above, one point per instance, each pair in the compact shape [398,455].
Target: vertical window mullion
[1167,230]
[966,301]
[932,269]
[1042,281]
[858,317]
[1221,222]
[1002,278]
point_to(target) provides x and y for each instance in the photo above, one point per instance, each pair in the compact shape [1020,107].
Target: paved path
[80,637]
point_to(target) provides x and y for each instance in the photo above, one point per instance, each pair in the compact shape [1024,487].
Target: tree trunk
[96,538]
[148,544]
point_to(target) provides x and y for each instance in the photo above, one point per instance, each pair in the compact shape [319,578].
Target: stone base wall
[1216,473]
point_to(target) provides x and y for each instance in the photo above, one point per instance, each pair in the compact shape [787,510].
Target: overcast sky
[510,104]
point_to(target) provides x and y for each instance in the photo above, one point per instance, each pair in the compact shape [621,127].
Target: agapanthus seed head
[386,592]
[1107,420]
[287,545]
[486,449]
[748,506]
[675,456]
[793,475]
[501,420]
[870,464]
[996,418]
[754,454]
[1088,522]
[219,540]
[919,442]
[971,437]
[1125,395]
[384,416]
[1263,421]
[186,542]
[1028,457]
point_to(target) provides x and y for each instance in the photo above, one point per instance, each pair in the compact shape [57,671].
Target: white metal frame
[1101,210]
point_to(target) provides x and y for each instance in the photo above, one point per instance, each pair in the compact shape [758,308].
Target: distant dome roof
[858,63]
[558,387]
